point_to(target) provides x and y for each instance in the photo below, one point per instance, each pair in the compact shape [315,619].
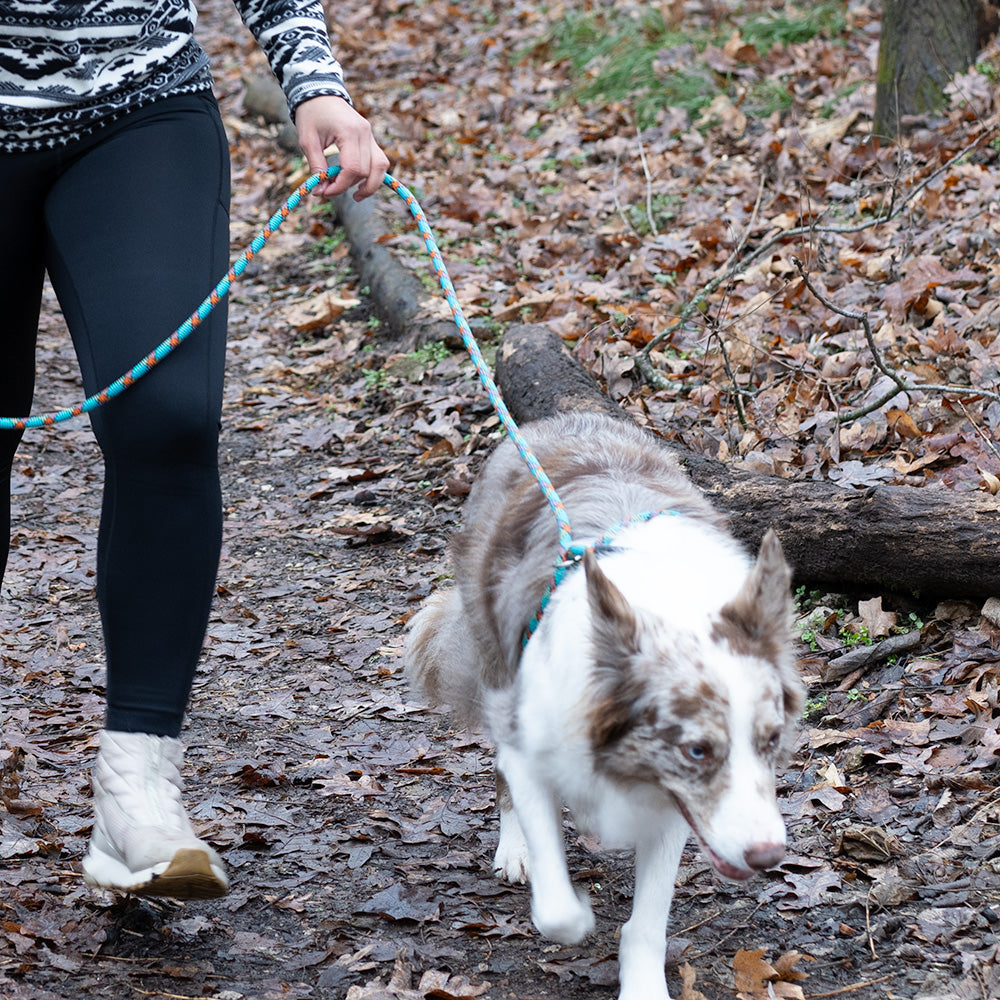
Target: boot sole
[190,874]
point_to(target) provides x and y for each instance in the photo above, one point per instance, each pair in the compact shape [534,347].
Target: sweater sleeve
[294,38]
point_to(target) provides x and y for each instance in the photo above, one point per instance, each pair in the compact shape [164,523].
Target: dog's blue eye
[695,751]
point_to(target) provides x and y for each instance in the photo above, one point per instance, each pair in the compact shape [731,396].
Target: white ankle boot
[142,841]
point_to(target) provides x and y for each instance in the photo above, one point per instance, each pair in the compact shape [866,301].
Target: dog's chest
[617,815]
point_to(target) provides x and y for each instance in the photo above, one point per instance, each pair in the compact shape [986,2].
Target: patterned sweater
[69,66]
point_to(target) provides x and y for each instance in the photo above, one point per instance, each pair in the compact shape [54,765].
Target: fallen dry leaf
[688,991]
[876,621]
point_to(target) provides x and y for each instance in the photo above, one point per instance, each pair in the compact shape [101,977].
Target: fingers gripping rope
[189,325]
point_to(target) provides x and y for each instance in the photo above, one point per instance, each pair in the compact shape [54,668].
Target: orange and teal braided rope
[189,325]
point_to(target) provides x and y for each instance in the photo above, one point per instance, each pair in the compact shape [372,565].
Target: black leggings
[132,226]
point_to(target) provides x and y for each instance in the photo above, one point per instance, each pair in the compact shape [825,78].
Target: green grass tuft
[634,56]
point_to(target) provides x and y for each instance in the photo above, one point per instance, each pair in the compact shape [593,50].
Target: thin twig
[986,438]
[738,391]
[718,942]
[695,926]
[170,996]
[614,192]
[649,183]
[868,929]
[849,989]
[741,243]
[857,316]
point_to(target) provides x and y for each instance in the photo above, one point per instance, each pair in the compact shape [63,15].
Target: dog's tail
[441,657]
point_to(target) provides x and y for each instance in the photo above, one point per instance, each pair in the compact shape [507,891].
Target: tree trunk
[924,43]
[890,538]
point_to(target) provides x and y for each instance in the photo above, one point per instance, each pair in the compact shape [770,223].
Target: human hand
[327,120]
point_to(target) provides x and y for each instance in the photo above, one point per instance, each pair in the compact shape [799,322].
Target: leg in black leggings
[22,270]
[135,234]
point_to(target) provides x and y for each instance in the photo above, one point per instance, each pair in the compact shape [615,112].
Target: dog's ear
[760,614]
[615,631]
[758,620]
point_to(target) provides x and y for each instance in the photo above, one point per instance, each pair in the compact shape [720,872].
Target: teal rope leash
[509,425]
[189,325]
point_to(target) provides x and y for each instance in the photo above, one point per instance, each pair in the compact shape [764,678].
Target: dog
[657,694]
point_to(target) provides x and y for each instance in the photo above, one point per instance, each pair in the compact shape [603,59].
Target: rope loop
[214,297]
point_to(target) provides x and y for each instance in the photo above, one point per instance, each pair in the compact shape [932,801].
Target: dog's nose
[761,856]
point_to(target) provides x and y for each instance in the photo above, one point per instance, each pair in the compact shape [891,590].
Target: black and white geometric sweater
[67,67]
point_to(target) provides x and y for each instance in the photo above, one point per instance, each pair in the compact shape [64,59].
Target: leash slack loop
[189,325]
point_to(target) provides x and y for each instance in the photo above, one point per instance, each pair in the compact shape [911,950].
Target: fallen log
[263,98]
[925,542]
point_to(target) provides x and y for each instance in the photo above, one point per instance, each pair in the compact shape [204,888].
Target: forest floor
[357,825]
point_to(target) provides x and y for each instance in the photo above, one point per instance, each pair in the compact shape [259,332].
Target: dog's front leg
[510,863]
[643,949]
[556,909]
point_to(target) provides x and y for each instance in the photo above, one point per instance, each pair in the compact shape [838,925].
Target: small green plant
[487,327]
[769,96]
[856,695]
[325,245]
[815,706]
[806,600]
[855,635]
[808,636]
[431,353]
[373,323]
[375,378]
[990,70]
[765,31]
[661,210]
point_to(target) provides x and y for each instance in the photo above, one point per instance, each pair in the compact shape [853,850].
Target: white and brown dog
[655,696]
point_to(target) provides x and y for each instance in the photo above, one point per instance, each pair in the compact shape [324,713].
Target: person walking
[114,179]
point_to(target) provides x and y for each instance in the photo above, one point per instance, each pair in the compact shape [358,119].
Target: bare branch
[649,184]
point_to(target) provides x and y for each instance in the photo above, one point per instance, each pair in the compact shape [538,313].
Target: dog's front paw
[567,923]
[511,869]
[510,863]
